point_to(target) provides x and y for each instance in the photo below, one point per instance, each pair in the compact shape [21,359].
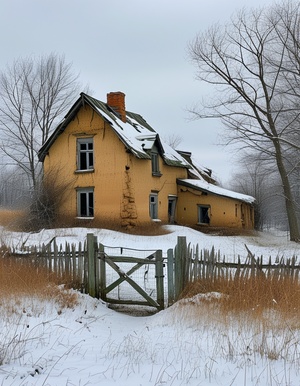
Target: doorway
[172,200]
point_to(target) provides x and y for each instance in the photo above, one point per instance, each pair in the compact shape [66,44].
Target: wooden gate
[116,267]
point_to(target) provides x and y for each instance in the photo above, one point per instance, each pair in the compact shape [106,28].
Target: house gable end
[134,133]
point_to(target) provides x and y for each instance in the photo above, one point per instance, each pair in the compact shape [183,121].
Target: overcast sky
[138,47]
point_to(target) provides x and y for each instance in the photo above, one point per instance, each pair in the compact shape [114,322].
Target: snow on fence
[153,280]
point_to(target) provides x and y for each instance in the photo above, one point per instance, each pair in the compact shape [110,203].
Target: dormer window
[155,162]
[85,154]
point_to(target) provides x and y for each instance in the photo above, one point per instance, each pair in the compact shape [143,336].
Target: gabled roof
[136,134]
[207,187]
[197,172]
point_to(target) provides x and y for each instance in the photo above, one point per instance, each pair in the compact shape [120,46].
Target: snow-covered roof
[204,186]
[197,171]
[139,138]
[136,134]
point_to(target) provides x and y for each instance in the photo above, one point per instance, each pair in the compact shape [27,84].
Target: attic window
[85,154]
[155,163]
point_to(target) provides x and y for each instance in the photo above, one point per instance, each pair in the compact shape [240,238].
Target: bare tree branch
[33,96]
[254,65]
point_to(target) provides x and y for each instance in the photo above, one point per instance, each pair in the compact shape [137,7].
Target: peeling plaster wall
[122,183]
[224,212]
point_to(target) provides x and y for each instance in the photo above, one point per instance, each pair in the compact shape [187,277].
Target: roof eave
[178,163]
[60,128]
[191,186]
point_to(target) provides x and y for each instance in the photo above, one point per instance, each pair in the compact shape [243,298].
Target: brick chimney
[116,100]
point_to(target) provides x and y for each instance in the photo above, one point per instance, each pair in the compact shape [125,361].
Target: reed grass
[21,279]
[256,294]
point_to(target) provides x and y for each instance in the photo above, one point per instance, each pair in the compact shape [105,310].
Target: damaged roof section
[207,187]
[138,136]
[135,133]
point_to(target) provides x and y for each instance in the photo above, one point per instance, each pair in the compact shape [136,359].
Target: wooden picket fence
[67,263]
[191,264]
[85,268]
[88,267]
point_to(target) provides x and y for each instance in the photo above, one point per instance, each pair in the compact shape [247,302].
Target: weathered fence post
[179,266]
[91,252]
[96,260]
[159,273]
[171,284]
[102,278]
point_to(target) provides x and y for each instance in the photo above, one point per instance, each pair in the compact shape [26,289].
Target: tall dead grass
[21,279]
[254,294]
[248,318]
[12,219]
[19,220]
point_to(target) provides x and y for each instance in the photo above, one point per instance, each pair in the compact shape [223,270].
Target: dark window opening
[171,209]
[86,203]
[203,214]
[85,148]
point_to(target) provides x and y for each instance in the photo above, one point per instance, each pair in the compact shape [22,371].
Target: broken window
[203,214]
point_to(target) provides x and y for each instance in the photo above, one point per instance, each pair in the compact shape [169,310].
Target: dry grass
[248,319]
[12,219]
[17,220]
[19,278]
[142,229]
[224,231]
[257,295]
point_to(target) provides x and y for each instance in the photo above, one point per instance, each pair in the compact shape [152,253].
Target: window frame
[202,216]
[89,206]
[155,162]
[153,206]
[172,202]
[88,160]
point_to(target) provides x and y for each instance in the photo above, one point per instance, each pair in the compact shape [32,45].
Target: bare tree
[49,195]
[173,140]
[13,187]
[254,63]
[33,96]
[256,179]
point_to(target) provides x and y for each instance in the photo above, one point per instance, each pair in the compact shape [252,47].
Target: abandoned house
[114,167]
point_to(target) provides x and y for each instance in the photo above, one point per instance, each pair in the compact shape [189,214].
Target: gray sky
[134,46]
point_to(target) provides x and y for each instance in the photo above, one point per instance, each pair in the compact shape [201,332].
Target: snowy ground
[266,244]
[185,344]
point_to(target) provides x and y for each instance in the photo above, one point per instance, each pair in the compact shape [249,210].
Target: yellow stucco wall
[223,211]
[122,183]
[145,183]
[107,176]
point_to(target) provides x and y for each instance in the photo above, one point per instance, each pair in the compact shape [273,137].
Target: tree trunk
[288,195]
